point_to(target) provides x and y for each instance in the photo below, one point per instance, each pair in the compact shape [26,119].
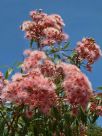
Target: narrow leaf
[8,72]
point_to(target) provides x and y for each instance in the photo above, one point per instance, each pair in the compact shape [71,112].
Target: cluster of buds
[44,29]
[96,109]
[88,50]
[96,104]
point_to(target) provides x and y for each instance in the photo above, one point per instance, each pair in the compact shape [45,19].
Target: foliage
[94,130]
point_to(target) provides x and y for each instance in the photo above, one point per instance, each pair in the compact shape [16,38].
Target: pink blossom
[48,21]
[37,15]
[27,25]
[27,52]
[99,110]
[29,114]
[58,19]
[51,32]
[76,85]
[68,69]
[33,60]
[48,42]
[17,77]
[88,50]
[45,29]
[95,108]
[1,82]
[33,90]
[1,74]
[48,68]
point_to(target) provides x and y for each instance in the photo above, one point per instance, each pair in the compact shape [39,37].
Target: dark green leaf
[56,113]
[56,56]
[2,125]
[31,43]
[99,88]
[94,118]
[82,115]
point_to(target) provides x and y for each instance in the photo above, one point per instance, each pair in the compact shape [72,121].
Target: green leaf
[64,55]
[82,115]
[74,53]
[18,64]
[2,125]
[94,118]
[99,88]
[8,72]
[67,117]
[68,131]
[53,51]
[98,98]
[66,45]
[56,56]
[56,113]
[31,43]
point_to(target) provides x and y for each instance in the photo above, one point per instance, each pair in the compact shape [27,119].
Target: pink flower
[77,87]
[51,32]
[27,25]
[1,82]
[1,74]
[29,114]
[27,52]
[48,21]
[95,108]
[17,77]
[58,19]
[32,89]
[45,29]
[37,15]
[88,50]
[33,60]
[48,68]
[68,69]
[99,110]
[48,42]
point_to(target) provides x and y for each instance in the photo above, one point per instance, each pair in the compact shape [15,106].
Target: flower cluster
[96,104]
[48,68]
[31,89]
[44,29]
[36,86]
[96,109]
[88,49]
[33,59]
[76,85]
[47,96]
[38,59]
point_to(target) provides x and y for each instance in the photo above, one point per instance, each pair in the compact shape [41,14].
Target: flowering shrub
[49,97]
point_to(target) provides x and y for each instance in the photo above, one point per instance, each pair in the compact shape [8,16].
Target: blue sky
[82,18]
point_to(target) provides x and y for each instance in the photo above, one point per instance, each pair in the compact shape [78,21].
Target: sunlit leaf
[8,72]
